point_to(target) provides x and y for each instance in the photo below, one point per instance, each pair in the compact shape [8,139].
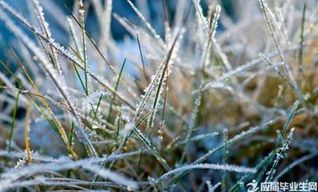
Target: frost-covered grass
[213,103]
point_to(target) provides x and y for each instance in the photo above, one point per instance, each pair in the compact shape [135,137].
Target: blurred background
[152,10]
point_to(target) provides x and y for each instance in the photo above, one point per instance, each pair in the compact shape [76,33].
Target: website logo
[252,187]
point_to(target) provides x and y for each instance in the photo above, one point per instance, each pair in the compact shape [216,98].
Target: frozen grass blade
[92,41]
[116,88]
[225,158]
[157,81]
[199,12]
[214,187]
[27,134]
[294,164]
[261,167]
[47,32]
[84,51]
[194,116]
[163,78]
[66,159]
[270,22]
[74,37]
[211,37]
[279,156]
[142,58]
[301,43]
[9,178]
[12,126]
[179,141]
[106,26]
[291,116]
[284,143]
[231,168]
[272,27]
[112,176]
[147,24]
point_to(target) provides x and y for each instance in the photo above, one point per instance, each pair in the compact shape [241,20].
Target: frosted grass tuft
[147,130]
